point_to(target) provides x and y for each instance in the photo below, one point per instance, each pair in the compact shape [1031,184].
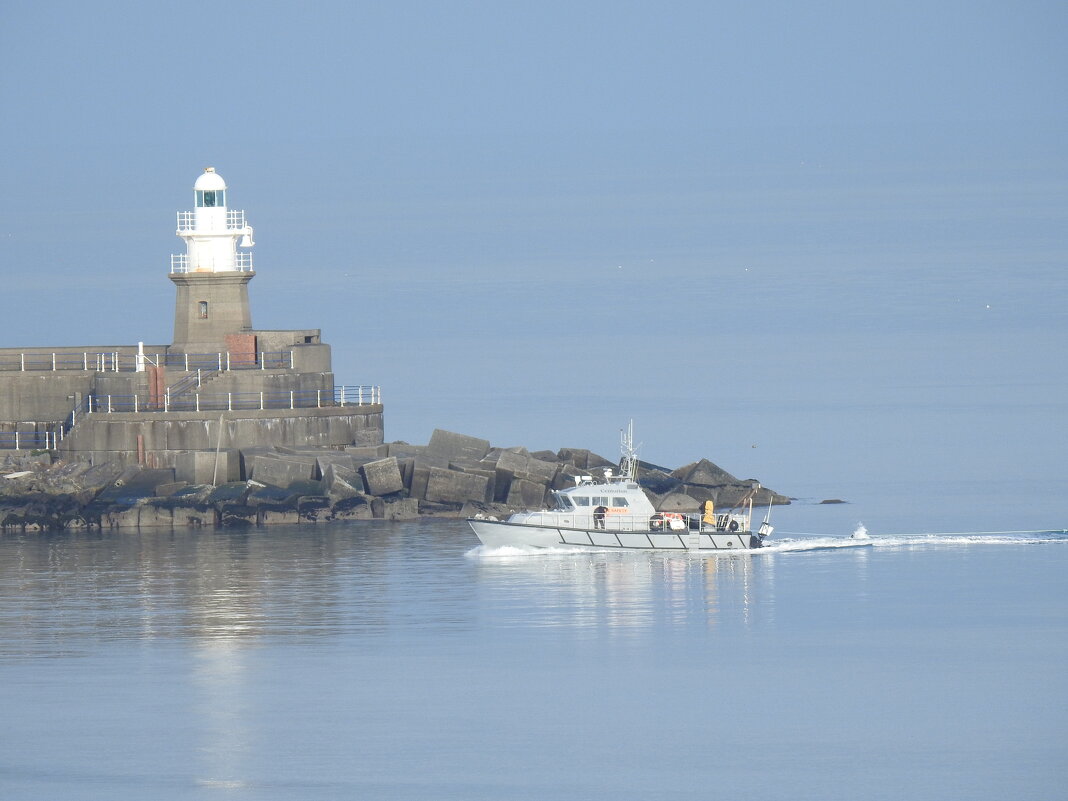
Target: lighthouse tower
[212,276]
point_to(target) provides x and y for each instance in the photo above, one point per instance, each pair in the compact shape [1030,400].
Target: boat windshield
[563,502]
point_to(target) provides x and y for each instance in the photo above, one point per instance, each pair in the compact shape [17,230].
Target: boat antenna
[628,465]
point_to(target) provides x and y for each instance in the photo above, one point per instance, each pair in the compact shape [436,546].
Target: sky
[817,243]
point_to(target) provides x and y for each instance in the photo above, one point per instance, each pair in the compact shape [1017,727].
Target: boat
[613,513]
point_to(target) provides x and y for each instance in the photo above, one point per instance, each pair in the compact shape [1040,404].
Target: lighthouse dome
[210,180]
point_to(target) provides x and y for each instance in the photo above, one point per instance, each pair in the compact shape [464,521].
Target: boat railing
[668,523]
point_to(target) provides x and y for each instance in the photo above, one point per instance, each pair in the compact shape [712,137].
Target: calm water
[399,661]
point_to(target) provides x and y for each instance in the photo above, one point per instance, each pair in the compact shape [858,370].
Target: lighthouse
[211,312]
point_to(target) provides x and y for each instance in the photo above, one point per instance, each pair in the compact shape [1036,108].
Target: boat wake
[794,542]
[512,551]
[861,538]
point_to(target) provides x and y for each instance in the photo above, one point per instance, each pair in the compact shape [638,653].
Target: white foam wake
[809,542]
[922,540]
[511,551]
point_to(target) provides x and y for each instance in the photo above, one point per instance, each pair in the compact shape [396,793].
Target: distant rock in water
[454,475]
[834,500]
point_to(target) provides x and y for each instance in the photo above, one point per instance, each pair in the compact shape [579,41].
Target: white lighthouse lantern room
[212,232]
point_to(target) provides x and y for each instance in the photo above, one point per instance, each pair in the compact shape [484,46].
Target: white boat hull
[501,533]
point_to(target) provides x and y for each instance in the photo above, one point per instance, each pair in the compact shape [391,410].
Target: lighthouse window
[210,198]
[202,310]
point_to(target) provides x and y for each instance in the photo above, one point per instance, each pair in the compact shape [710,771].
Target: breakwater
[453,475]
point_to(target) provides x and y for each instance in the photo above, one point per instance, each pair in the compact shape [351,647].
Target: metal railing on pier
[234,401]
[30,440]
[119,362]
[339,396]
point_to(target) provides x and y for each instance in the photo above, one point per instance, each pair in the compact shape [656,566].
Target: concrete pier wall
[160,439]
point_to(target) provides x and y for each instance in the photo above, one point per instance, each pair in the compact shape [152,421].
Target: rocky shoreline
[454,475]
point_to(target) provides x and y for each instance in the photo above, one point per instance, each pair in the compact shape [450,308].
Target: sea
[385,660]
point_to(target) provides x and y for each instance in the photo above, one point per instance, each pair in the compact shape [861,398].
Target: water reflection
[58,594]
[219,683]
[624,592]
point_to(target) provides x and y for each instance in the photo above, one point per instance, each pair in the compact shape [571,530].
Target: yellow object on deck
[710,513]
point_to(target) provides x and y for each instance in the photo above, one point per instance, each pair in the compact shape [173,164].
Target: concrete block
[496,510]
[382,477]
[143,478]
[193,516]
[100,475]
[513,465]
[489,473]
[403,509]
[526,494]
[313,509]
[200,493]
[699,493]
[457,447]
[421,474]
[268,496]
[406,465]
[235,491]
[521,465]
[279,470]
[151,516]
[678,502]
[420,478]
[439,509]
[120,518]
[540,471]
[247,455]
[299,489]
[368,453]
[236,515]
[402,450]
[579,457]
[451,486]
[325,460]
[583,459]
[705,474]
[358,507]
[339,483]
[276,515]
[565,477]
[199,467]
[658,482]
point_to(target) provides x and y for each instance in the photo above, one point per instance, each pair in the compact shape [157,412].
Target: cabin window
[600,501]
[563,502]
[582,500]
[210,198]
[202,310]
[619,502]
